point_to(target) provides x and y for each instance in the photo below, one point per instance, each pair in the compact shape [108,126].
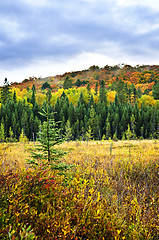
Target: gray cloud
[61,29]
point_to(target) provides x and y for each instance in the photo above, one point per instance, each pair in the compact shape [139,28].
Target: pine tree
[45,152]
[89,88]
[11,139]
[155,90]
[33,99]
[67,83]
[96,88]
[14,97]
[92,120]
[68,132]
[128,133]
[2,133]
[132,121]
[88,134]
[103,93]
[5,92]
[108,130]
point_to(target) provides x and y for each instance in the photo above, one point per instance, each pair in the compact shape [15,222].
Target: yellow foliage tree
[111,96]
[147,100]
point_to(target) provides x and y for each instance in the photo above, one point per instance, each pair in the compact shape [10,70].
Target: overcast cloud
[49,37]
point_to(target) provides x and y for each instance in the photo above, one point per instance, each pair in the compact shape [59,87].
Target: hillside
[98,103]
[141,76]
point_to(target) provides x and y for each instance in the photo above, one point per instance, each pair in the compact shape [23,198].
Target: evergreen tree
[128,133]
[68,131]
[132,121]
[5,91]
[14,97]
[45,152]
[121,88]
[67,83]
[89,88]
[11,139]
[2,133]
[33,98]
[103,92]
[45,86]
[92,120]
[96,88]
[49,96]
[108,130]
[78,83]
[88,134]
[155,90]
[72,114]
[33,88]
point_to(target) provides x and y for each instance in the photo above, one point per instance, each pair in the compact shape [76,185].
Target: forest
[119,102]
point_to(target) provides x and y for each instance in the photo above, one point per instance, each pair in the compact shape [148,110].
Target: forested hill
[114,102]
[142,76]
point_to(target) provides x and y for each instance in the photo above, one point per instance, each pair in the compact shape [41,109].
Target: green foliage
[49,137]
[68,134]
[67,83]
[88,135]
[2,132]
[46,152]
[102,92]
[23,138]
[155,90]
[5,92]
[45,86]
[129,133]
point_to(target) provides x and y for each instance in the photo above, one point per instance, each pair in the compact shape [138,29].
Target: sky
[44,38]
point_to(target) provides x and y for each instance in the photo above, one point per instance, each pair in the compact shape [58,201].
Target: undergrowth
[105,196]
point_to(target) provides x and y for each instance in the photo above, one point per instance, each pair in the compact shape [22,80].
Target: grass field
[112,192]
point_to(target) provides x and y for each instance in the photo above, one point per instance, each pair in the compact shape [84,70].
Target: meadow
[111,192]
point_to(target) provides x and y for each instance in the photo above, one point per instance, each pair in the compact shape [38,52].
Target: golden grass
[15,154]
[114,181]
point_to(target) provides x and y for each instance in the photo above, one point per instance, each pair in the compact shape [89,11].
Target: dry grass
[112,183]
[15,154]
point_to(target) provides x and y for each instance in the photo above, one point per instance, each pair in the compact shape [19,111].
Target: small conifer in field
[46,153]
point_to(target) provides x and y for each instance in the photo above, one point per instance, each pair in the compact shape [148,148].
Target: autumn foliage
[111,193]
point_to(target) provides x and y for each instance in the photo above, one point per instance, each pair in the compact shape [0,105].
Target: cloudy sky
[48,37]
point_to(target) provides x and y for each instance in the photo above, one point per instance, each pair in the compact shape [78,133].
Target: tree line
[121,119]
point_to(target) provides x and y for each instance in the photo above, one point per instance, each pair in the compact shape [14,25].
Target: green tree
[5,91]
[33,88]
[96,88]
[108,130]
[68,131]
[121,91]
[103,92]
[88,134]
[46,152]
[45,86]
[89,88]
[78,83]
[92,120]
[11,139]
[132,121]
[2,132]
[67,83]
[128,133]
[155,90]
[14,97]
